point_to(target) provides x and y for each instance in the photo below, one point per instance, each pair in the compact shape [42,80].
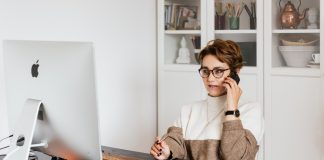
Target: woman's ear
[238,70]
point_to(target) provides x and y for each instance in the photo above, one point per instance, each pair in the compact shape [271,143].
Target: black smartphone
[235,76]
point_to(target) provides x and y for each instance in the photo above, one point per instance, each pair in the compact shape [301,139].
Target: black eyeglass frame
[212,71]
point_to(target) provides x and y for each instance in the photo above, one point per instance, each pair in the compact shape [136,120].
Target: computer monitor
[59,77]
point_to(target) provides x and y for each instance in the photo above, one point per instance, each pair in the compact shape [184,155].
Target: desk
[120,154]
[111,154]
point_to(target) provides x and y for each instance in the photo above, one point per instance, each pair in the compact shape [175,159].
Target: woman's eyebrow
[214,67]
[218,67]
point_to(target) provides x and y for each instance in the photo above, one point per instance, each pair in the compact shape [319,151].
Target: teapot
[289,16]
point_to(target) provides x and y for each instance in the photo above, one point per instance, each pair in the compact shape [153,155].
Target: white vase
[312,17]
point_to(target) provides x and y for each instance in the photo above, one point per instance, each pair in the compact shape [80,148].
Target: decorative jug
[289,16]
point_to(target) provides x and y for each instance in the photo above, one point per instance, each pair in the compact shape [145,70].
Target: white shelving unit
[299,72]
[296,31]
[180,84]
[292,97]
[183,32]
[235,31]
[294,103]
[172,77]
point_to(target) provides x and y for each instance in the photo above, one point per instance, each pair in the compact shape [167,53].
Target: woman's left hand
[234,93]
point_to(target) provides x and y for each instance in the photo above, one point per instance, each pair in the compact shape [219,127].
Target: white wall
[124,34]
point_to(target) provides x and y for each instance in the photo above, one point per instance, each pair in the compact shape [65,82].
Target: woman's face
[214,85]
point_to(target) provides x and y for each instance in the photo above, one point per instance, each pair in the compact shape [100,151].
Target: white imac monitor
[59,77]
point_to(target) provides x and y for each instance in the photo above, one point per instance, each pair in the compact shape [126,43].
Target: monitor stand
[24,130]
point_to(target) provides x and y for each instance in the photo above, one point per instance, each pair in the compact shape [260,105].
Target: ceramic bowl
[299,40]
[297,56]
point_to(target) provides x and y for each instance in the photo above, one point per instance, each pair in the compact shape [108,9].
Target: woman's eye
[218,71]
[205,71]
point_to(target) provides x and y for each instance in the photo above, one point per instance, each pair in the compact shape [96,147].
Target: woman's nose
[211,77]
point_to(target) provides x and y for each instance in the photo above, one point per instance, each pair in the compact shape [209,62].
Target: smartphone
[235,76]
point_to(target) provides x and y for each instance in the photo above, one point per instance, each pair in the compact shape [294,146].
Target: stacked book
[178,16]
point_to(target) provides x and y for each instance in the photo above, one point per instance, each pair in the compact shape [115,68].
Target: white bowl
[297,58]
[300,42]
[299,39]
[298,48]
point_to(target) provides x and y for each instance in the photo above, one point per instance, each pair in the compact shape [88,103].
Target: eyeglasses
[217,72]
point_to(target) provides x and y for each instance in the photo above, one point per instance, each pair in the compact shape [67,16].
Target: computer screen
[61,76]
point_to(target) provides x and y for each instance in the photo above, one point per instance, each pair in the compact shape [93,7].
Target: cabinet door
[180,88]
[295,119]
[249,86]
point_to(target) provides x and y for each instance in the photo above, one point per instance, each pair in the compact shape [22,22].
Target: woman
[221,127]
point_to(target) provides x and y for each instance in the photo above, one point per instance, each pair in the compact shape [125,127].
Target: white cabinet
[180,84]
[293,104]
[295,121]
[291,96]
[182,88]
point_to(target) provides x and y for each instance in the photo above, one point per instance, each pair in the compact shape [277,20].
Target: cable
[6,137]
[4,147]
[29,155]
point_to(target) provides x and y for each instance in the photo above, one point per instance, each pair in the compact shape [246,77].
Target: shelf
[249,70]
[181,67]
[195,67]
[291,71]
[247,31]
[296,31]
[196,32]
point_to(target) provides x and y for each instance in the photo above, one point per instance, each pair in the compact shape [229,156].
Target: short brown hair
[225,51]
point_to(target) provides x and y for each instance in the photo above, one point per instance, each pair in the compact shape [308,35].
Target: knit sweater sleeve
[239,142]
[176,143]
[175,139]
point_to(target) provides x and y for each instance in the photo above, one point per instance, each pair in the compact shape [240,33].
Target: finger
[158,147]
[154,154]
[232,84]
[163,144]
[166,149]
[228,87]
[231,81]
[157,139]
[155,150]
[234,91]
[228,83]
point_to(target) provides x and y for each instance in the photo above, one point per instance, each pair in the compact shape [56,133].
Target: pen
[163,138]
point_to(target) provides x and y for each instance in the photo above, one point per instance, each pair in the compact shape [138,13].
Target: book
[187,17]
[179,16]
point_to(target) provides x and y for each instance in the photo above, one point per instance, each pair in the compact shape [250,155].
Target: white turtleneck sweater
[201,133]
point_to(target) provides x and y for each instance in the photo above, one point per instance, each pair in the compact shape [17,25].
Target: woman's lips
[213,86]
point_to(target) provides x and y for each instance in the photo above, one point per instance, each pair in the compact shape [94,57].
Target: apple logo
[34,69]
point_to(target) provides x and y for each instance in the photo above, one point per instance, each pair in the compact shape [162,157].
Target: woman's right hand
[160,150]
